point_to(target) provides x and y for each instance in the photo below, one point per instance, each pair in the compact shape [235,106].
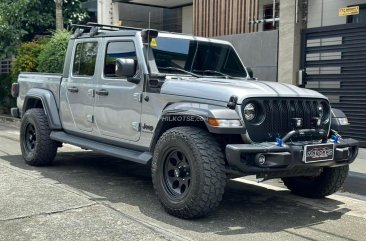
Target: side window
[85,58]
[117,50]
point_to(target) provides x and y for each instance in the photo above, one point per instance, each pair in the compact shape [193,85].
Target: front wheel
[329,181]
[37,147]
[188,172]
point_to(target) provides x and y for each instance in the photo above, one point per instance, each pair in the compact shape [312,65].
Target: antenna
[149,20]
[147,60]
[148,44]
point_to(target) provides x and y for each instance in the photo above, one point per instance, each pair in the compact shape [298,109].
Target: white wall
[325,12]
[257,51]
[107,12]
[187,20]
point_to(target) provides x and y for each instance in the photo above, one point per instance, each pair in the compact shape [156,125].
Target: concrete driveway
[88,196]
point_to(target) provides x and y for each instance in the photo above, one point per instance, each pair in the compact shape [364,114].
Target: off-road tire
[45,149]
[328,182]
[207,168]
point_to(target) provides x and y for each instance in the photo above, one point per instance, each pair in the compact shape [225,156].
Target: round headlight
[249,111]
[321,110]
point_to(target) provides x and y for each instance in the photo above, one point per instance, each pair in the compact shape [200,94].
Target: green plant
[26,59]
[6,100]
[51,59]
[22,20]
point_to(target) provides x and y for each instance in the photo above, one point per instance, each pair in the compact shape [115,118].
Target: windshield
[200,57]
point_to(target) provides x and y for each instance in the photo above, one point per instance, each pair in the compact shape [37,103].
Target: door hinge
[91,93]
[137,96]
[136,126]
[90,118]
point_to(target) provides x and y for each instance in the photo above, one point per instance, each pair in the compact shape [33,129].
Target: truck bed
[47,81]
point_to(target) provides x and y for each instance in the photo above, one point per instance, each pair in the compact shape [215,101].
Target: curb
[8,120]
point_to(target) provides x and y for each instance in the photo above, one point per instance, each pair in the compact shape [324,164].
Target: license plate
[318,153]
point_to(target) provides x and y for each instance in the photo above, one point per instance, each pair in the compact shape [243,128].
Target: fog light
[261,159]
[316,121]
[296,122]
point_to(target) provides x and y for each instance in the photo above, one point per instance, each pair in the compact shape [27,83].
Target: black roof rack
[112,26]
[93,28]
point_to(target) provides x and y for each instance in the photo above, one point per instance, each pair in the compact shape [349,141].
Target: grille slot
[277,115]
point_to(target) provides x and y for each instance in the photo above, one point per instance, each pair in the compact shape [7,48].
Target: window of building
[5,66]
[117,50]
[151,17]
[359,18]
[85,58]
[268,17]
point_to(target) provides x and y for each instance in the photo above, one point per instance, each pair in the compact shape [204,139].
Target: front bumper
[286,160]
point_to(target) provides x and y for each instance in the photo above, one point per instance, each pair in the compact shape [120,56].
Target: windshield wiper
[210,71]
[181,70]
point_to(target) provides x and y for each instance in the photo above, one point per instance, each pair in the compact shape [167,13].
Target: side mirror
[126,68]
[250,72]
[339,121]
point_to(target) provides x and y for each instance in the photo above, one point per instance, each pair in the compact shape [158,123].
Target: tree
[59,15]
[22,20]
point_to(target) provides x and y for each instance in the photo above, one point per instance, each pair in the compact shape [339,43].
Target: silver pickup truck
[188,107]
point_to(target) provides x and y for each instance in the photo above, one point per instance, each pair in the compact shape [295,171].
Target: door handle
[102,92]
[73,89]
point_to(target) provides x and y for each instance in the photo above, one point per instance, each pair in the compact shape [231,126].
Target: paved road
[87,196]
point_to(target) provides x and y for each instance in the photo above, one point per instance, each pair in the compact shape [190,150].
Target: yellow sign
[153,43]
[349,11]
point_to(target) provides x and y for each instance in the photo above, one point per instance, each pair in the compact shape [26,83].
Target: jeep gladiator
[188,107]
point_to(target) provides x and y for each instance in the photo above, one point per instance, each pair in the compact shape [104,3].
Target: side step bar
[120,152]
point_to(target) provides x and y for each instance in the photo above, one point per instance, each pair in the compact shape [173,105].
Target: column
[291,23]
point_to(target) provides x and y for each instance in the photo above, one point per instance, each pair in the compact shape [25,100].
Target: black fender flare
[49,105]
[197,112]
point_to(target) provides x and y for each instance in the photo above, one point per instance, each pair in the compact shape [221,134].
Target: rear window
[85,59]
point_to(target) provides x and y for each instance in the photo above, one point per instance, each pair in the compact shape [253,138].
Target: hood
[222,89]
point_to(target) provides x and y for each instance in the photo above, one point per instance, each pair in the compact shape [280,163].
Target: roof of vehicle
[117,31]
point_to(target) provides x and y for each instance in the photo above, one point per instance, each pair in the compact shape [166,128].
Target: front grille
[276,114]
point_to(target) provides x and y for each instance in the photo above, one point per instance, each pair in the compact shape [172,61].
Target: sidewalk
[359,166]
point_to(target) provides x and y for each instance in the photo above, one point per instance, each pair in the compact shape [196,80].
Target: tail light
[15,90]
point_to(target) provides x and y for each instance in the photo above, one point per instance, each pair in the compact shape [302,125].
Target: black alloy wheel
[177,174]
[30,138]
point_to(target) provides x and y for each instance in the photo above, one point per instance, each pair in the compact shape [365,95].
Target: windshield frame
[154,68]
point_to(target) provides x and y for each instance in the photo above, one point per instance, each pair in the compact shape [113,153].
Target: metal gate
[334,63]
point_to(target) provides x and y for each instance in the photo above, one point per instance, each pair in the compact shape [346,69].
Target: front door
[117,101]
[80,86]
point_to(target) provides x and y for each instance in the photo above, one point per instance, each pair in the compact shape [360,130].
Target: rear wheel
[329,181]
[35,143]
[188,172]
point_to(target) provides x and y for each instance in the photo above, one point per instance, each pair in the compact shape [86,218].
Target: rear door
[118,104]
[81,83]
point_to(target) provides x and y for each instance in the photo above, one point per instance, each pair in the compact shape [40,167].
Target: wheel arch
[41,98]
[193,114]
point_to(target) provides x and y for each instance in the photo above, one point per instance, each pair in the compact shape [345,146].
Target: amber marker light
[213,122]
[224,123]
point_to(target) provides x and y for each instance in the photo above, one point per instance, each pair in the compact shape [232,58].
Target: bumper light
[261,159]
[224,123]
